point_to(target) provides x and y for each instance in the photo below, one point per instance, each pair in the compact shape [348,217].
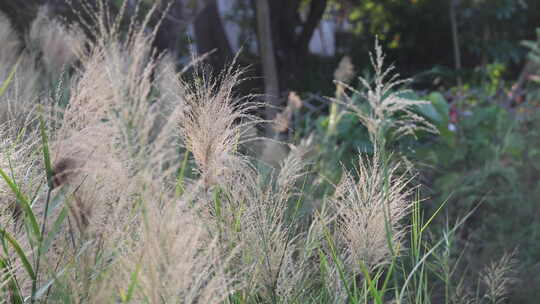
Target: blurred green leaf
[8,80]
[441,106]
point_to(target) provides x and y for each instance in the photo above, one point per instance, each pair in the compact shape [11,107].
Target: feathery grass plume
[369,213]
[253,218]
[16,160]
[17,67]
[96,138]
[10,47]
[86,142]
[384,102]
[110,150]
[273,257]
[276,231]
[176,258]
[214,123]
[462,295]
[20,162]
[499,277]
[345,70]
[343,74]
[273,152]
[298,273]
[329,268]
[58,44]
[162,252]
[117,92]
[116,125]
[104,25]
[115,140]
[19,101]
[51,47]
[284,118]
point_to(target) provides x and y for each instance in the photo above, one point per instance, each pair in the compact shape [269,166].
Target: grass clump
[135,190]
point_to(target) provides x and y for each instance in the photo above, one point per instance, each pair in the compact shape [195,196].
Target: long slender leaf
[42,290]
[8,80]
[132,284]
[434,215]
[51,235]
[371,283]
[23,202]
[19,251]
[420,263]
[336,260]
[182,174]
[46,153]
[14,289]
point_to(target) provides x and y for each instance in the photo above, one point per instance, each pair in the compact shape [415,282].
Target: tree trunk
[316,12]
[455,38]
[211,36]
[292,35]
[271,81]
[20,13]
[179,14]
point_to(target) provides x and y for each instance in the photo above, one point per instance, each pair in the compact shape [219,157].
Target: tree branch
[316,11]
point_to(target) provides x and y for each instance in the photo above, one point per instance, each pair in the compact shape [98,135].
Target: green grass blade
[46,153]
[389,275]
[13,287]
[19,251]
[434,215]
[8,80]
[51,235]
[132,284]
[23,201]
[182,174]
[376,294]
[420,263]
[43,289]
[337,261]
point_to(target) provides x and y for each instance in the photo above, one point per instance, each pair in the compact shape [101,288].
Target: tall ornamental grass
[123,181]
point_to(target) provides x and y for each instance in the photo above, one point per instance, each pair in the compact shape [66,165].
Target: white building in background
[322,43]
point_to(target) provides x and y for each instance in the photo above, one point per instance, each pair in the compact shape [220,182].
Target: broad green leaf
[441,106]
